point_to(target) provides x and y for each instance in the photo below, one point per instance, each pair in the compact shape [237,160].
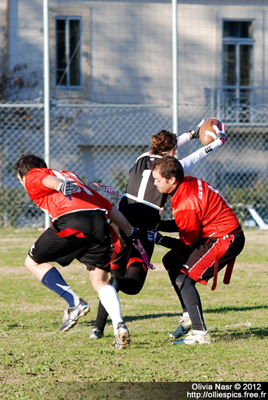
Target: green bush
[15,203]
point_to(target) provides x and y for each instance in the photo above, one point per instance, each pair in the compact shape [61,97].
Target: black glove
[195,133]
[68,187]
[135,234]
[154,236]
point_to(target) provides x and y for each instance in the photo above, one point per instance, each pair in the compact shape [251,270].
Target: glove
[68,187]
[154,236]
[220,132]
[135,234]
[195,133]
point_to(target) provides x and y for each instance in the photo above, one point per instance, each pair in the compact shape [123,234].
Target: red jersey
[201,212]
[55,203]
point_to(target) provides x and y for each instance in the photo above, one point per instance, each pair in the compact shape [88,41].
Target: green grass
[37,362]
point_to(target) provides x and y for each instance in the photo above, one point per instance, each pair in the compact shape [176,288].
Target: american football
[207,133]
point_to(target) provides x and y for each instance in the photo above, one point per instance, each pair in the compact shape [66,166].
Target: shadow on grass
[229,333]
[136,318]
[220,310]
[239,308]
[234,334]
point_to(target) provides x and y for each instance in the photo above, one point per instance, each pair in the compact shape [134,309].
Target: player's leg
[235,248]
[118,269]
[133,280]
[98,330]
[109,298]
[129,275]
[50,277]
[135,269]
[200,267]
[172,262]
[191,298]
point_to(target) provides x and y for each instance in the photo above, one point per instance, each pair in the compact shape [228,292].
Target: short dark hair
[27,162]
[169,167]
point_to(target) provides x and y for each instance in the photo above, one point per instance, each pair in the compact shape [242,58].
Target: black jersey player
[142,204]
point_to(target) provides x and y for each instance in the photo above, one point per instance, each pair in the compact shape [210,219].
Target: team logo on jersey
[208,149]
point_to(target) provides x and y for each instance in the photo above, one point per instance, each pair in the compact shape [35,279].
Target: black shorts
[94,249]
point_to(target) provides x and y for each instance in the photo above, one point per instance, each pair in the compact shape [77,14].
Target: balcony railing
[238,105]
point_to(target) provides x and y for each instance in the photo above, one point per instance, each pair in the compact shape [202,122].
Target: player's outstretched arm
[166,241]
[66,187]
[184,138]
[191,160]
[191,134]
[194,133]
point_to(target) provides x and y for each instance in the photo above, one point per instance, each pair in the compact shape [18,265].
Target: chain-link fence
[101,143]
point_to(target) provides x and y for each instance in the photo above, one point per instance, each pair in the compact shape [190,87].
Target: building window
[68,52]
[238,46]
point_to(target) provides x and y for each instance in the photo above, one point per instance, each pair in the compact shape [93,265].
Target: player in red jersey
[142,205]
[79,230]
[210,238]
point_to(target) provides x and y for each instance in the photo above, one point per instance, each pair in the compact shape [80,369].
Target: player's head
[27,162]
[163,143]
[168,174]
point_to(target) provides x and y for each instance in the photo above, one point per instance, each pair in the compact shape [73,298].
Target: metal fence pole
[175,65]
[46,90]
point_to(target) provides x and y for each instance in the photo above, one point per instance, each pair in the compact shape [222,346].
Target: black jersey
[142,203]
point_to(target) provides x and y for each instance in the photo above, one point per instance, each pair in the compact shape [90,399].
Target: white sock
[110,301]
[186,315]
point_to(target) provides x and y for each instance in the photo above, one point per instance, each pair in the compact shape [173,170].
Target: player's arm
[66,187]
[120,220]
[171,243]
[192,134]
[194,158]
[167,225]
[184,138]
[188,230]
[189,161]
[51,182]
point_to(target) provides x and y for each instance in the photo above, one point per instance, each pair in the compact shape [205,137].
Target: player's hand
[220,132]
[135,234]
[68,187]
[154,236]
[195,132]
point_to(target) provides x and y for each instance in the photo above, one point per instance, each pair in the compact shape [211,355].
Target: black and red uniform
[210,234]
[79,226]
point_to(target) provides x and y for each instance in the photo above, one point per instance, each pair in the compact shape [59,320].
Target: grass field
[39,362]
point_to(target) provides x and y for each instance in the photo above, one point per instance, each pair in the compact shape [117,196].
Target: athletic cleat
[194,338]
[72,314]
[121,338]
[183,328]
[96,333]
